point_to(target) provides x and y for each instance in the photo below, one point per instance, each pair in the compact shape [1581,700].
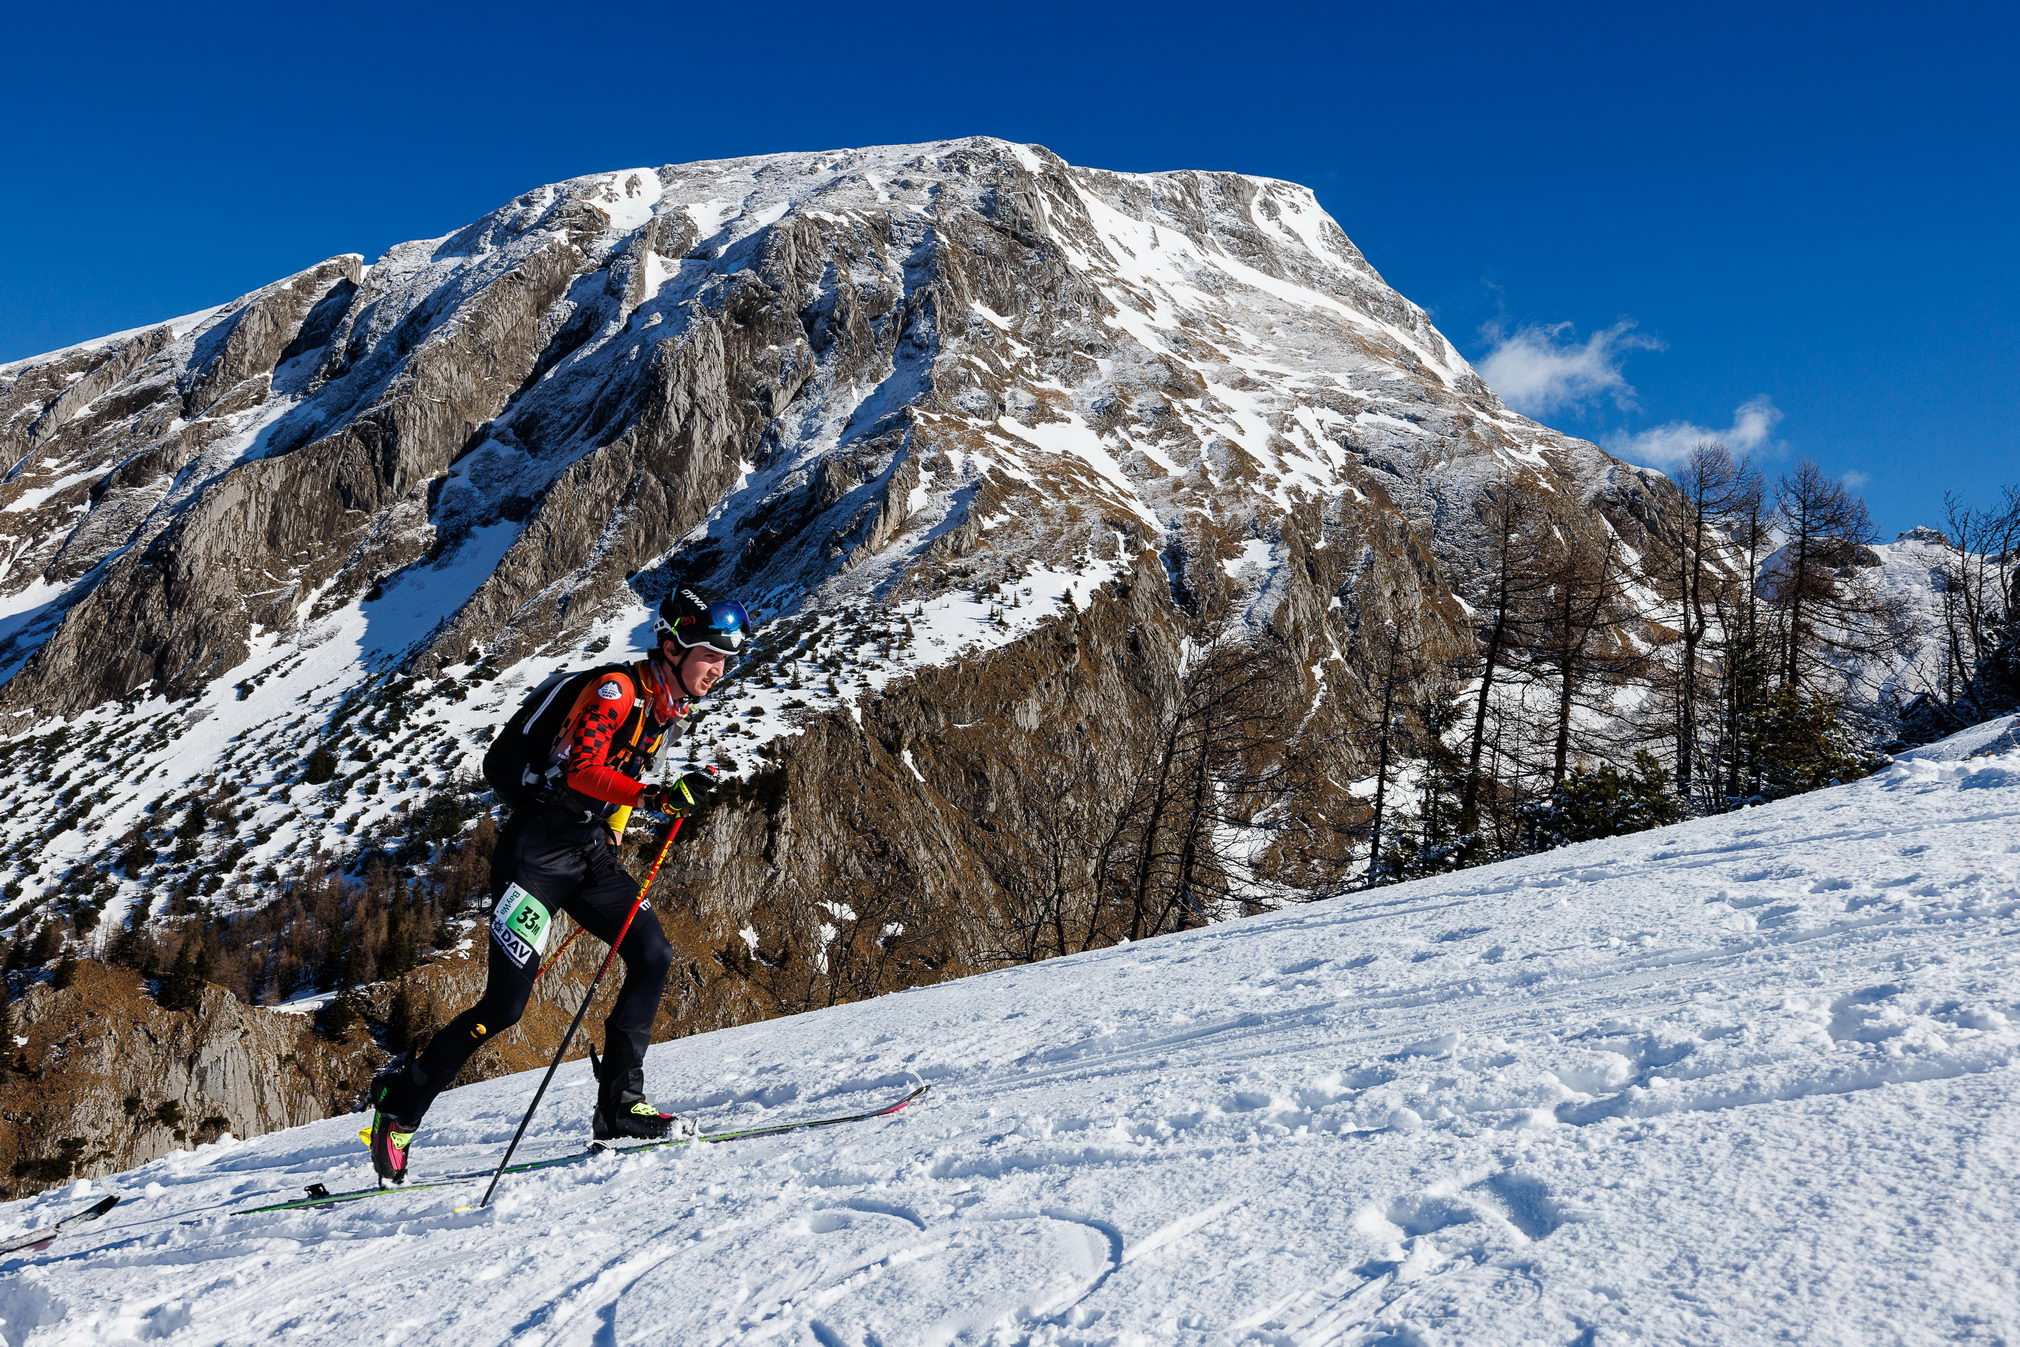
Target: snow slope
[1746,1079]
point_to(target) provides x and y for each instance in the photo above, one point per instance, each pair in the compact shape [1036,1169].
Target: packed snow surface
[1742,1080]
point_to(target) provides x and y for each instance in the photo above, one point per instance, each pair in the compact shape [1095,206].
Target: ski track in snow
[1746,1079]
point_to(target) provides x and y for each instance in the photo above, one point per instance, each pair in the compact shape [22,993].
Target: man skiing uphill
[569,763]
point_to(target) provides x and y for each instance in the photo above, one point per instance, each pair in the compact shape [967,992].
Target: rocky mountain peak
[993,442]
[1925,535]
[965,324]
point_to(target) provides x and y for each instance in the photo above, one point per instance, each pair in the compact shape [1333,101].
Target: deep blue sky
[1810,204]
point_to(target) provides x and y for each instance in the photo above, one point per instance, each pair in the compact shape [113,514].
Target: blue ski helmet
[691,621]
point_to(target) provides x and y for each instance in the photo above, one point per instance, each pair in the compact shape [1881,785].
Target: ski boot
[396,1097]
[622,1113]
[389,1139]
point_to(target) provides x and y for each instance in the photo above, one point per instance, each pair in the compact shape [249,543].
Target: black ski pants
[570,866]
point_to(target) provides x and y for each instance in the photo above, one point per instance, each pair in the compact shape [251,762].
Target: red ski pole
[555,957]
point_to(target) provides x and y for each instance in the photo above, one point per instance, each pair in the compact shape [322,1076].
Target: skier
[558,851]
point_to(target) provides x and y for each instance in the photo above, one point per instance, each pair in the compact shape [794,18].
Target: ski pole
[555,957]
[576,1023]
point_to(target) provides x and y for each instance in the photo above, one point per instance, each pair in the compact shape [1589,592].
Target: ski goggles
[722,629]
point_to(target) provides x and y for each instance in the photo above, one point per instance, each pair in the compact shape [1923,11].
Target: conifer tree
[1515,579]
[1576,645]
[1399,669]
[1604,801]
[1802,743]
[1442,832]
[182,989]
[1817,583]
[1705,561]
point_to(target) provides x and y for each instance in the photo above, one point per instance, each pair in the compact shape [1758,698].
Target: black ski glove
[688,793]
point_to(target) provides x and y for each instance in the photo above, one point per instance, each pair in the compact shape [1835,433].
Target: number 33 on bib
[520,924]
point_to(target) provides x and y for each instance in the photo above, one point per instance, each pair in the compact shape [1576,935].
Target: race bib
[520,924]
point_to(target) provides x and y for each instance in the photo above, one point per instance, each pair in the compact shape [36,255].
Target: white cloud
[1752,429]
[1541,369]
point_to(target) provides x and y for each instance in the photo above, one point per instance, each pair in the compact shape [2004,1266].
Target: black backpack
[520,764]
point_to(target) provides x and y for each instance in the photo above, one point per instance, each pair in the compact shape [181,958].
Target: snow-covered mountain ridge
[1741,1080]
[995,443]
[912,397]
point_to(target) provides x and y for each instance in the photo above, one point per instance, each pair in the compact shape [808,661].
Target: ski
[39,1239]
[319,1196]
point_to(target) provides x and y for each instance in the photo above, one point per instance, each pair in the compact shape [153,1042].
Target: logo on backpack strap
[610,691]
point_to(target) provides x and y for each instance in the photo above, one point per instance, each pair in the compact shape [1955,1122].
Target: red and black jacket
[611,735]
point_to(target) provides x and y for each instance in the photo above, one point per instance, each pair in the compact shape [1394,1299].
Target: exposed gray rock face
[104,1077]
[986,436]
[605,356]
